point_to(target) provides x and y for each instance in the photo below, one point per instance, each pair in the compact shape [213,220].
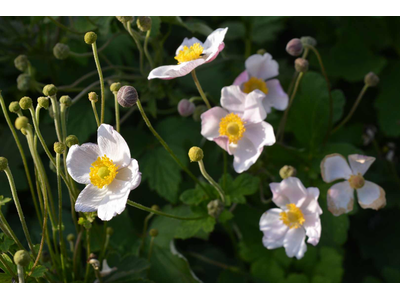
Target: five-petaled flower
[297,217]
[238,126]
[108,171]
[191,54]
[341,195]
[257,76]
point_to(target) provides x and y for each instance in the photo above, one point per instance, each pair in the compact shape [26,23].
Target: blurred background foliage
[359,247]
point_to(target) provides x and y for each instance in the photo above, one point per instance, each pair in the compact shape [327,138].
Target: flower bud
[22,258]
[308,41]
[66,100]
[371,79]
[186,108]
[261,51]
[21,63]
[115,87]
[59,147]
[71,140]
[153,232]
[215,208]
[287,171]
[25,103]
[49,90]
[3,163]
[199,110]
[21,122]
[43,102]
[61,51]
[70,237]
[14,107]
[155,207]
[124,20]
[144,23]
[90,38]
[196,154]
[127,96]
[93,97]
[294,47]
[301,65]
[110,231]
[24,82]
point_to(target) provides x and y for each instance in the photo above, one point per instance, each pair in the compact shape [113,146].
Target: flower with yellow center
[102,172]
[187,54]
[232,126]
[293,217]
[255,84]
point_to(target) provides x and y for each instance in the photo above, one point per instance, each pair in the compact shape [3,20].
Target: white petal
[260,134]
[245,155]
[340,198]
[312,225]
[214,43]
[130,174]
[188,42]
[294,243]
[289,190]
[113,145]
[173,71]
[271,224]
[80,159]
[262,66]
[223,142]
[254,111]
[360,163]
[372,196]
[115,201]
[233,99]
[276,97]
[242,78]
[90,198]
[278,197]
[210,122]
[311,204]
[335,166]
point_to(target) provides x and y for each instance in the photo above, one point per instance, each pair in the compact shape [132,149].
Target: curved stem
[146,41]
[135,37]
[211,180]
[97,61]
[202,94]
[96,116]
[145,225]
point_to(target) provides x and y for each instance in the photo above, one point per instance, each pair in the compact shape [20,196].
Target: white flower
[259,71]
[297,217]
[341,195]
[238,127]
[108,171]
[106,270]
[191,54]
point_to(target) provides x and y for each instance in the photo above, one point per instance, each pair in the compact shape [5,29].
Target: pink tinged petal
[210,122]
[272,226]
[80,159]
[311,205]
[340,198]
[233,99]
[188,42]
[254,111]
[333,167]
[114,202]
[223,142]
[214,55]
[90,198]
[312,225]
[290,189]
[242,78]
[360,163]
[371,196]
[279,198]
[260,134]
[294,243]
[173,71]
[113,145]
[130,174]
[214,44]
[262,66]
[276,97]
[245,155]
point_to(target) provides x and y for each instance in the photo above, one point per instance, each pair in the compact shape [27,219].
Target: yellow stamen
[232,126]
[102,172]
[188,54]
[356,181]
[293,217]
[255,84]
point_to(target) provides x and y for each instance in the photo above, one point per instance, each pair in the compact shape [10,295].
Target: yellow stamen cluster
[232,126]
[102,172]
[293,217]
[356,181]
[255,84]
[188,54]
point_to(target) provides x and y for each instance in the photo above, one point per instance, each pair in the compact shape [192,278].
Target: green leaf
[39,271]
[3,200]
[129,268]
[190,228]
[5,242]
[5,278]
[198,195]
[329,268]
[297,278]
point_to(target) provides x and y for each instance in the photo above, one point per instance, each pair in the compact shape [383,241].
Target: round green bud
[261,51]
[215,208]
[14,107]
[3,163]
[115,87]
[70,237]
[294,47]
[43,102]
[25,103]
[22,258]
[90,38]
[66,100]
[308,41]
[301,65]
[199,110]
[93,97]
[61,51]
[59,147]
[110,231]
[196,154]
[153,232]
[287,171]
[124,20]
[24,82]
[49,90]
[71,140]
[155,207]
[144,23]
[127,96]
[371,79]
[21,122]
[21,63]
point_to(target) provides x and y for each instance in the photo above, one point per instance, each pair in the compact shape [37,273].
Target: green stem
[135,37]
[96,116]
[202,94]
[56,110]
[151,248]
[146,40]
[117,118]
[97,61]
[87,254]
[145,226]
[62,26]
[5,227]
[211,180]
[60,223]
[105,245]
[4,263]
[21,274]
[76,251]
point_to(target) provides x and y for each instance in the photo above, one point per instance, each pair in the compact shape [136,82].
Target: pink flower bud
[294,47]
[185,108]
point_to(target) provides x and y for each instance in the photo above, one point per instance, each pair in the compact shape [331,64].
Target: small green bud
[301,65]
[215,208]
[3,163]
[71,140]
[144,23]
[127,96]
[110,231]
[115,87]
[200,109]
[155,207]
[49,90]
[59,147]
[124,20]
[21,63]
[14,107]
[61,51]
[25,103]
[70,237]
[371,79]
[22,258]
[24,82]
[43,102]
[90,38]
[153,232]
[93,97]
[287,171]
[308,41]
[21,122]
[294,47]
[196,154]
[66,100]
[261,51]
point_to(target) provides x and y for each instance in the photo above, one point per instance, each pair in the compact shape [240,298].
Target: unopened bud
[196,154]
[287,171]
[371,79]
[43,102]
[294,47]
[125,19]
[215,208]
[115,87]
[155,207]
[14,107]
[24,82]
[71,140]
[186,108]
[153,232]
[127,96]
[66,100]
[308,41]
[61,51]
[21,63]
[110,231]
[90,37]
[199,110]
[301,65]
[59,147]
[93,97]
[70,237]
[3,163]
[144,23]
[21,122]
[25,103]
[49,90]
[261,51]
[22,258]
